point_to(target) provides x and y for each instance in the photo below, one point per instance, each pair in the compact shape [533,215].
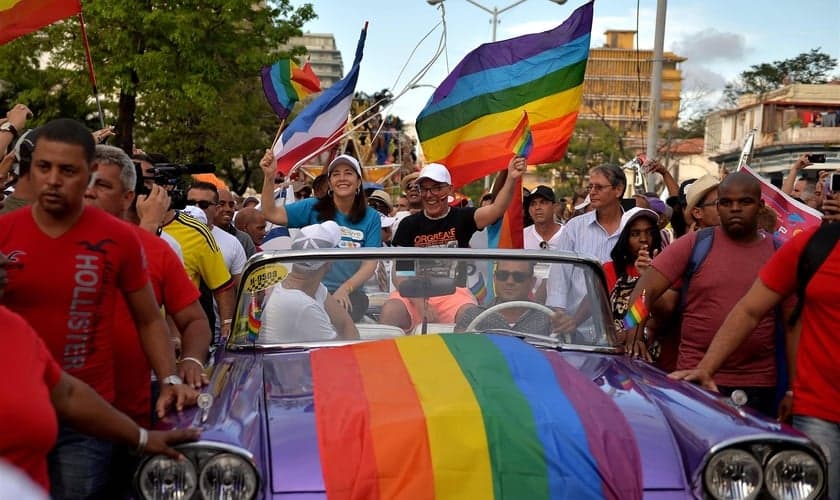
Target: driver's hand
[562,323]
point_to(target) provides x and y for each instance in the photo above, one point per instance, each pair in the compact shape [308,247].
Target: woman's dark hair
[621,254]
[326,209]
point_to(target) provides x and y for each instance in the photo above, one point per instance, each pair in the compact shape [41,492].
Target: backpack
[816,251]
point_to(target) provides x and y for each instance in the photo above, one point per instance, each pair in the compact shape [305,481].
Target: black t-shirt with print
[454,230]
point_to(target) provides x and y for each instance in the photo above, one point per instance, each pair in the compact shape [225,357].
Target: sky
[720,38]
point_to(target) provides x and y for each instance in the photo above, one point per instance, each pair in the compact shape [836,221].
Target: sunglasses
[412,187]
[518,276]
[202,204]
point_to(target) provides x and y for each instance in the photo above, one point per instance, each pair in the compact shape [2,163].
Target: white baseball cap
[345,160]
[324,235]
[435,172]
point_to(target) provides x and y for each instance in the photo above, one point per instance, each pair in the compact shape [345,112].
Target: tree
[180,77]
[808,67]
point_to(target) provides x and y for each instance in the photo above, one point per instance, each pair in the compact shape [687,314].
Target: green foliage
[180,77]
[808,67]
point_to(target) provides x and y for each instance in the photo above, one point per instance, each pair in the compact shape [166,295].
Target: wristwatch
[173,380]
[8,127]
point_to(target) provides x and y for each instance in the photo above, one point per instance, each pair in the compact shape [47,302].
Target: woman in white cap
[346,204]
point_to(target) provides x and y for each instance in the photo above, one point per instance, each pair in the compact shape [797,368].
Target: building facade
[617,85]
[324,56]
[788,122]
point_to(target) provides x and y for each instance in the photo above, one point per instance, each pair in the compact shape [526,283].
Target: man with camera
[203,259]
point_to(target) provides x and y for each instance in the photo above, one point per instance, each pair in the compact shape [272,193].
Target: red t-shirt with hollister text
[816,392]
[28,425]
[66,287]
[174,290]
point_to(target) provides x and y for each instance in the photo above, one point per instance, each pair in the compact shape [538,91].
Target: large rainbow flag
[469,118]
[285,83]
[467,416]
[19,17]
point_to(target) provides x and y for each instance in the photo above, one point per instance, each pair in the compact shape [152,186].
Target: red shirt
[815,389]
[174,290]
[727,272]
[28,425]
[66,287]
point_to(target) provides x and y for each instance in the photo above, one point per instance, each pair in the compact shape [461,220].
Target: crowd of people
[89,254]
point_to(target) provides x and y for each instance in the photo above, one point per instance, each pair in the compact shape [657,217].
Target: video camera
[173,177]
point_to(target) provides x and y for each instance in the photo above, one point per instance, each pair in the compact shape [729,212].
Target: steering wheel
[508,305]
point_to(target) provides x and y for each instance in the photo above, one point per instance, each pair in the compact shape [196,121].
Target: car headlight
[162,478]
[227,477]
[733,474]
[793,475]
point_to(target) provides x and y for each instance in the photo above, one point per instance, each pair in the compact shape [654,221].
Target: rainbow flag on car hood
[467,416]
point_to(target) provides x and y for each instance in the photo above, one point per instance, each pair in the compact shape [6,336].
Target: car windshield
[303,297]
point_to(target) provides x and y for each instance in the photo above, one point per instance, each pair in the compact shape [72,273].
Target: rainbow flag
[469,118]
[254,319]
[521,140]
[19,17]
[467,416]
[285,83]
[508,233]
[637,313]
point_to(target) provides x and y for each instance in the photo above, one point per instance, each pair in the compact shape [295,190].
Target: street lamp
[495,11]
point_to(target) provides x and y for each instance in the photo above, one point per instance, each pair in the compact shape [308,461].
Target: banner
[794,216]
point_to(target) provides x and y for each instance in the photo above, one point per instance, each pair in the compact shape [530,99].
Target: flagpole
[91,72]
[277,135]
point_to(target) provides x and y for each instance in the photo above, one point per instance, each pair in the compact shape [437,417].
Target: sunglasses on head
[518,276]
[202,204]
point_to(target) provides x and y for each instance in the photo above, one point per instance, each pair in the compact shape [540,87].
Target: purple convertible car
[504,381]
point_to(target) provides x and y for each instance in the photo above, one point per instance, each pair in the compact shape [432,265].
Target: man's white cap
[583,204]
[196,213]
[324,235]
[435,172]
[345,160]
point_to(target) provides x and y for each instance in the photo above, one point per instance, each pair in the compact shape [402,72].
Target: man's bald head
[742,181]
[251,221]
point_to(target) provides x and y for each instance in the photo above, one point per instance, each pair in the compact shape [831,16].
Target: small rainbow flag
[637,313]
[254,319]
[521,140]
[467,416]
[284,84]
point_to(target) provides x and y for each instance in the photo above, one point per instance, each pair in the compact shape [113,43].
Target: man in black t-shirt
[439,225]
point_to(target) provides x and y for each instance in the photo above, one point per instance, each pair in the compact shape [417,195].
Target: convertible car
[465,374]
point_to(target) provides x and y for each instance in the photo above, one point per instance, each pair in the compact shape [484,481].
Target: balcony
[808,135]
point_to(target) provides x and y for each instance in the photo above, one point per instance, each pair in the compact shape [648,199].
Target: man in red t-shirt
[66,264]
[813,350]
[737,253]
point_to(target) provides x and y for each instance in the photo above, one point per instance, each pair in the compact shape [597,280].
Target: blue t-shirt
[365,233]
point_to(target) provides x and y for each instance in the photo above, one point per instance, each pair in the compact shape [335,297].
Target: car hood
[675,424]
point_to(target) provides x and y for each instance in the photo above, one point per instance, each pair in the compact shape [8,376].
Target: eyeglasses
[597,187]
[543,245]
[708,204]
[518,276]
[435,190]
[231,204]
[202,204]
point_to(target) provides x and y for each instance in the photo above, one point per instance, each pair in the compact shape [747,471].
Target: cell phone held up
[833,182]
[816,158]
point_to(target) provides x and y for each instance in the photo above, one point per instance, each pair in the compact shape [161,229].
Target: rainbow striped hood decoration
[467,416]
